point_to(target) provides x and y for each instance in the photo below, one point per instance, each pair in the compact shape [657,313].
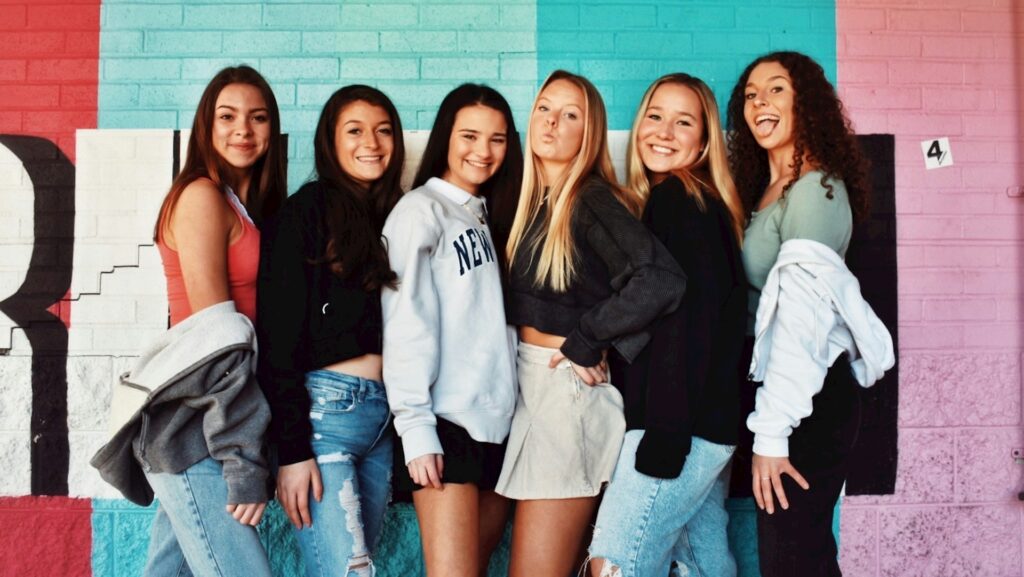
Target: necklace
[478,217]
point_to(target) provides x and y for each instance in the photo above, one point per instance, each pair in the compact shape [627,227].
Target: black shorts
[465,460]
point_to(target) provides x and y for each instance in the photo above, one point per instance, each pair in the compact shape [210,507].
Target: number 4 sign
[937,153]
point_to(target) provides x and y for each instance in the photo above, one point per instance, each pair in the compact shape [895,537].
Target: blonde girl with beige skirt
[586,280]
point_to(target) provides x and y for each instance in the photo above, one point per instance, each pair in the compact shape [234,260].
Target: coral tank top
[243,265]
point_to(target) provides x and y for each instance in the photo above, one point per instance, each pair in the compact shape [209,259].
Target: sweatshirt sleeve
[282,319]
[412,325]
[646,281]
[235,418]
[796,364]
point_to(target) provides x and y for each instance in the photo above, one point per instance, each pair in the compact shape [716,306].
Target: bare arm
[200,230]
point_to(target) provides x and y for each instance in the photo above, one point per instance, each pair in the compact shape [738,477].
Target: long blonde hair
[710,172]
[556,264]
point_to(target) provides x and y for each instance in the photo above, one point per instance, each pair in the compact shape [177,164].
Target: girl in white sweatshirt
[449,361]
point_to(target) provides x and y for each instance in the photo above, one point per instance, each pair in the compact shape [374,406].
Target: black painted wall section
[872,258]
[47,280]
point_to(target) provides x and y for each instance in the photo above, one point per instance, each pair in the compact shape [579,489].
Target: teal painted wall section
[121,538]
[622,46]
[155,59]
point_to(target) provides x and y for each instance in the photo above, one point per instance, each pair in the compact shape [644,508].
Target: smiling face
[671,134]
[768,106]
[241,127]
[476,147]
[363,141]
[556,126]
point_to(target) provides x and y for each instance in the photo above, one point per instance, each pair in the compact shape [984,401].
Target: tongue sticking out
[765,127]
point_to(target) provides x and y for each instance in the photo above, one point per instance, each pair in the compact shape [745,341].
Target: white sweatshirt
[447,350]
[811,311]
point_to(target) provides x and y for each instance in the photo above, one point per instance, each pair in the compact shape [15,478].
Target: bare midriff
[532,336]
[367,366]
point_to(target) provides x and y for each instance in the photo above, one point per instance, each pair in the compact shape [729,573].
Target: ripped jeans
[648,526]
[352,443]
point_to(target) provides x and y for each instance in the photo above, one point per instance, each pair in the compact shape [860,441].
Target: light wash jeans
[193,534]
[646,525]
[352,443]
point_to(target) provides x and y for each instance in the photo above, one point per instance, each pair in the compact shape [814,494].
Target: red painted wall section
[45,537]
[49,69]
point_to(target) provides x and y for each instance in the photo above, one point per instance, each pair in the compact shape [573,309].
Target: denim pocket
[330,400]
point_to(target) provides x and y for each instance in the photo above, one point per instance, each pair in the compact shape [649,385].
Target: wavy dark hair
[823,135]
[501,191]
[267,188]
[355,213]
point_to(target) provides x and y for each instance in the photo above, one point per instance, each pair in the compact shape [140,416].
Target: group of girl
[531,330]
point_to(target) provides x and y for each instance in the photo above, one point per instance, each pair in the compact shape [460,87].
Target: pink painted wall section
[923,70]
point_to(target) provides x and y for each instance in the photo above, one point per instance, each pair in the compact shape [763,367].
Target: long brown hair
[556,261]
[355,216]
[502,189]
[709,173]
[267,189]
[823,135]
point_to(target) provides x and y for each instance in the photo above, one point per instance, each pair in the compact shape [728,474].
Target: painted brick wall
[156,58]
[48,68]
[622,46]
[921,71]
[917,70]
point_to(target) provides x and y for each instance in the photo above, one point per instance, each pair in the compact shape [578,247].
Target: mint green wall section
[155,58]
[624,45]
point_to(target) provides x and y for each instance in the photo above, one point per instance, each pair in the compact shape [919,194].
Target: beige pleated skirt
[565,436]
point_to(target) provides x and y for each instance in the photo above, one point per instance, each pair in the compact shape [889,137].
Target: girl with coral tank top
[207,235]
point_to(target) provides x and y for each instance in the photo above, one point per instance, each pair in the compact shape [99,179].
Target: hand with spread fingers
[594,375]
[427,470]
[767,478]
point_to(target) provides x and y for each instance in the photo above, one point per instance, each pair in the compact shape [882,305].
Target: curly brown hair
[823,134]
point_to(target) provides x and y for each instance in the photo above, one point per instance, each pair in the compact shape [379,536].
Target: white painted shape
[83,480]
[14,454]
[17,197]
[16,394]
[122,177]
[89,387]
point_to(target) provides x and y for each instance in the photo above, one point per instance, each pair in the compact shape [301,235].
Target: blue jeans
[646,525]
[193,534]
[352,443]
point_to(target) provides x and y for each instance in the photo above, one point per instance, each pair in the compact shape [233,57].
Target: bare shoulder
[201,209]
[201,196]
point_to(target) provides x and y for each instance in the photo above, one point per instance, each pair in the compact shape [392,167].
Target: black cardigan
[624,280]
[686,382]
[307,317]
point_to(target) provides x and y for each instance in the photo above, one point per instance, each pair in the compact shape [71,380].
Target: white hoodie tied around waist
[811,311]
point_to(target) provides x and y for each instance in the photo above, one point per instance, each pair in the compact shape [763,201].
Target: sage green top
[805,212]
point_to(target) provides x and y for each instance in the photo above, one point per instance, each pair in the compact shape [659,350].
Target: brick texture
[923,71]
[47,48]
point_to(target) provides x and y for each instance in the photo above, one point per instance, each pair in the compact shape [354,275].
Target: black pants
[799,541]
